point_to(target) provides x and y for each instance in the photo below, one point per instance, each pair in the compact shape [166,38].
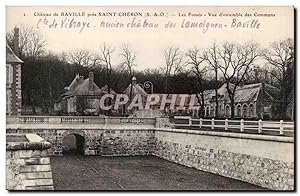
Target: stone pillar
[27,163]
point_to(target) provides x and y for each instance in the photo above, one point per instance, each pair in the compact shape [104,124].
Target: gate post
[242,125]
[259,126]
[281,127]
[105,120]
[226,124]
[200,123]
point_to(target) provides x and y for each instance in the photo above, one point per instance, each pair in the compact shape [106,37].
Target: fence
[185,121]
[241,125]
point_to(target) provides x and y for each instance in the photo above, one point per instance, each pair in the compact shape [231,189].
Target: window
[9,73]
[227,111]
[245,111]
[206,111]
[212,111]
[238,111]
[251,110]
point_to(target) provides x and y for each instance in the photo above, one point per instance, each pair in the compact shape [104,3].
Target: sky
[149,43]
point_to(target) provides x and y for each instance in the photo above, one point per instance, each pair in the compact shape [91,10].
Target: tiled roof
[79,86]
[247,93]
[11,57]
[136,89]
[104,89]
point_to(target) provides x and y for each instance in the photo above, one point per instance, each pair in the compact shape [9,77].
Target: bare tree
[80,57]
[212,58]
[196,62]
[260,74]
[235,61]
[173,63]
[128,59]
[154,71]
[63,56]
[29,45]
[105,58]
[31,42]
[281,56]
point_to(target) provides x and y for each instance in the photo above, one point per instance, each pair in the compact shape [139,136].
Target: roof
[78,79]
[223,89]
[136,89]
[104,89]
[79,86]
[247,93]
[11,57]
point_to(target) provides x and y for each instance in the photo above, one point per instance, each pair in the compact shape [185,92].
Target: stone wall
[120,142]
[105,142]
[27,164]
[266,161]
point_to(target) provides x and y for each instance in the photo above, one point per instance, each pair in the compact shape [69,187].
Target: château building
[81,97]
[251,101]
[13,77]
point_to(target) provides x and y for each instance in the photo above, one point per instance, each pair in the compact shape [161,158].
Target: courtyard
[135,173]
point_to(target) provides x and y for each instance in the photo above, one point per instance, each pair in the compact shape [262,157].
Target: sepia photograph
[150,98]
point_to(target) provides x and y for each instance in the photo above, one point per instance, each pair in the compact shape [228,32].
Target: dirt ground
[135,173]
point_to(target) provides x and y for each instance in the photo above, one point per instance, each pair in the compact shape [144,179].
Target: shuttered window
[9,73]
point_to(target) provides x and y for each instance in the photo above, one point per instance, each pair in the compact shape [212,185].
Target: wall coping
[78,126]
[232,135]
[36,139]
[34,142]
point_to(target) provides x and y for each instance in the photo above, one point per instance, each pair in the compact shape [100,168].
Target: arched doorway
[206,111]
[227,111]
[238,111]
[245,110]
[251,110]
[73,144]
[212,111]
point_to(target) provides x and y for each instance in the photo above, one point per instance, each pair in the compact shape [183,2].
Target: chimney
[91,81]
[133,81]
[16,48]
